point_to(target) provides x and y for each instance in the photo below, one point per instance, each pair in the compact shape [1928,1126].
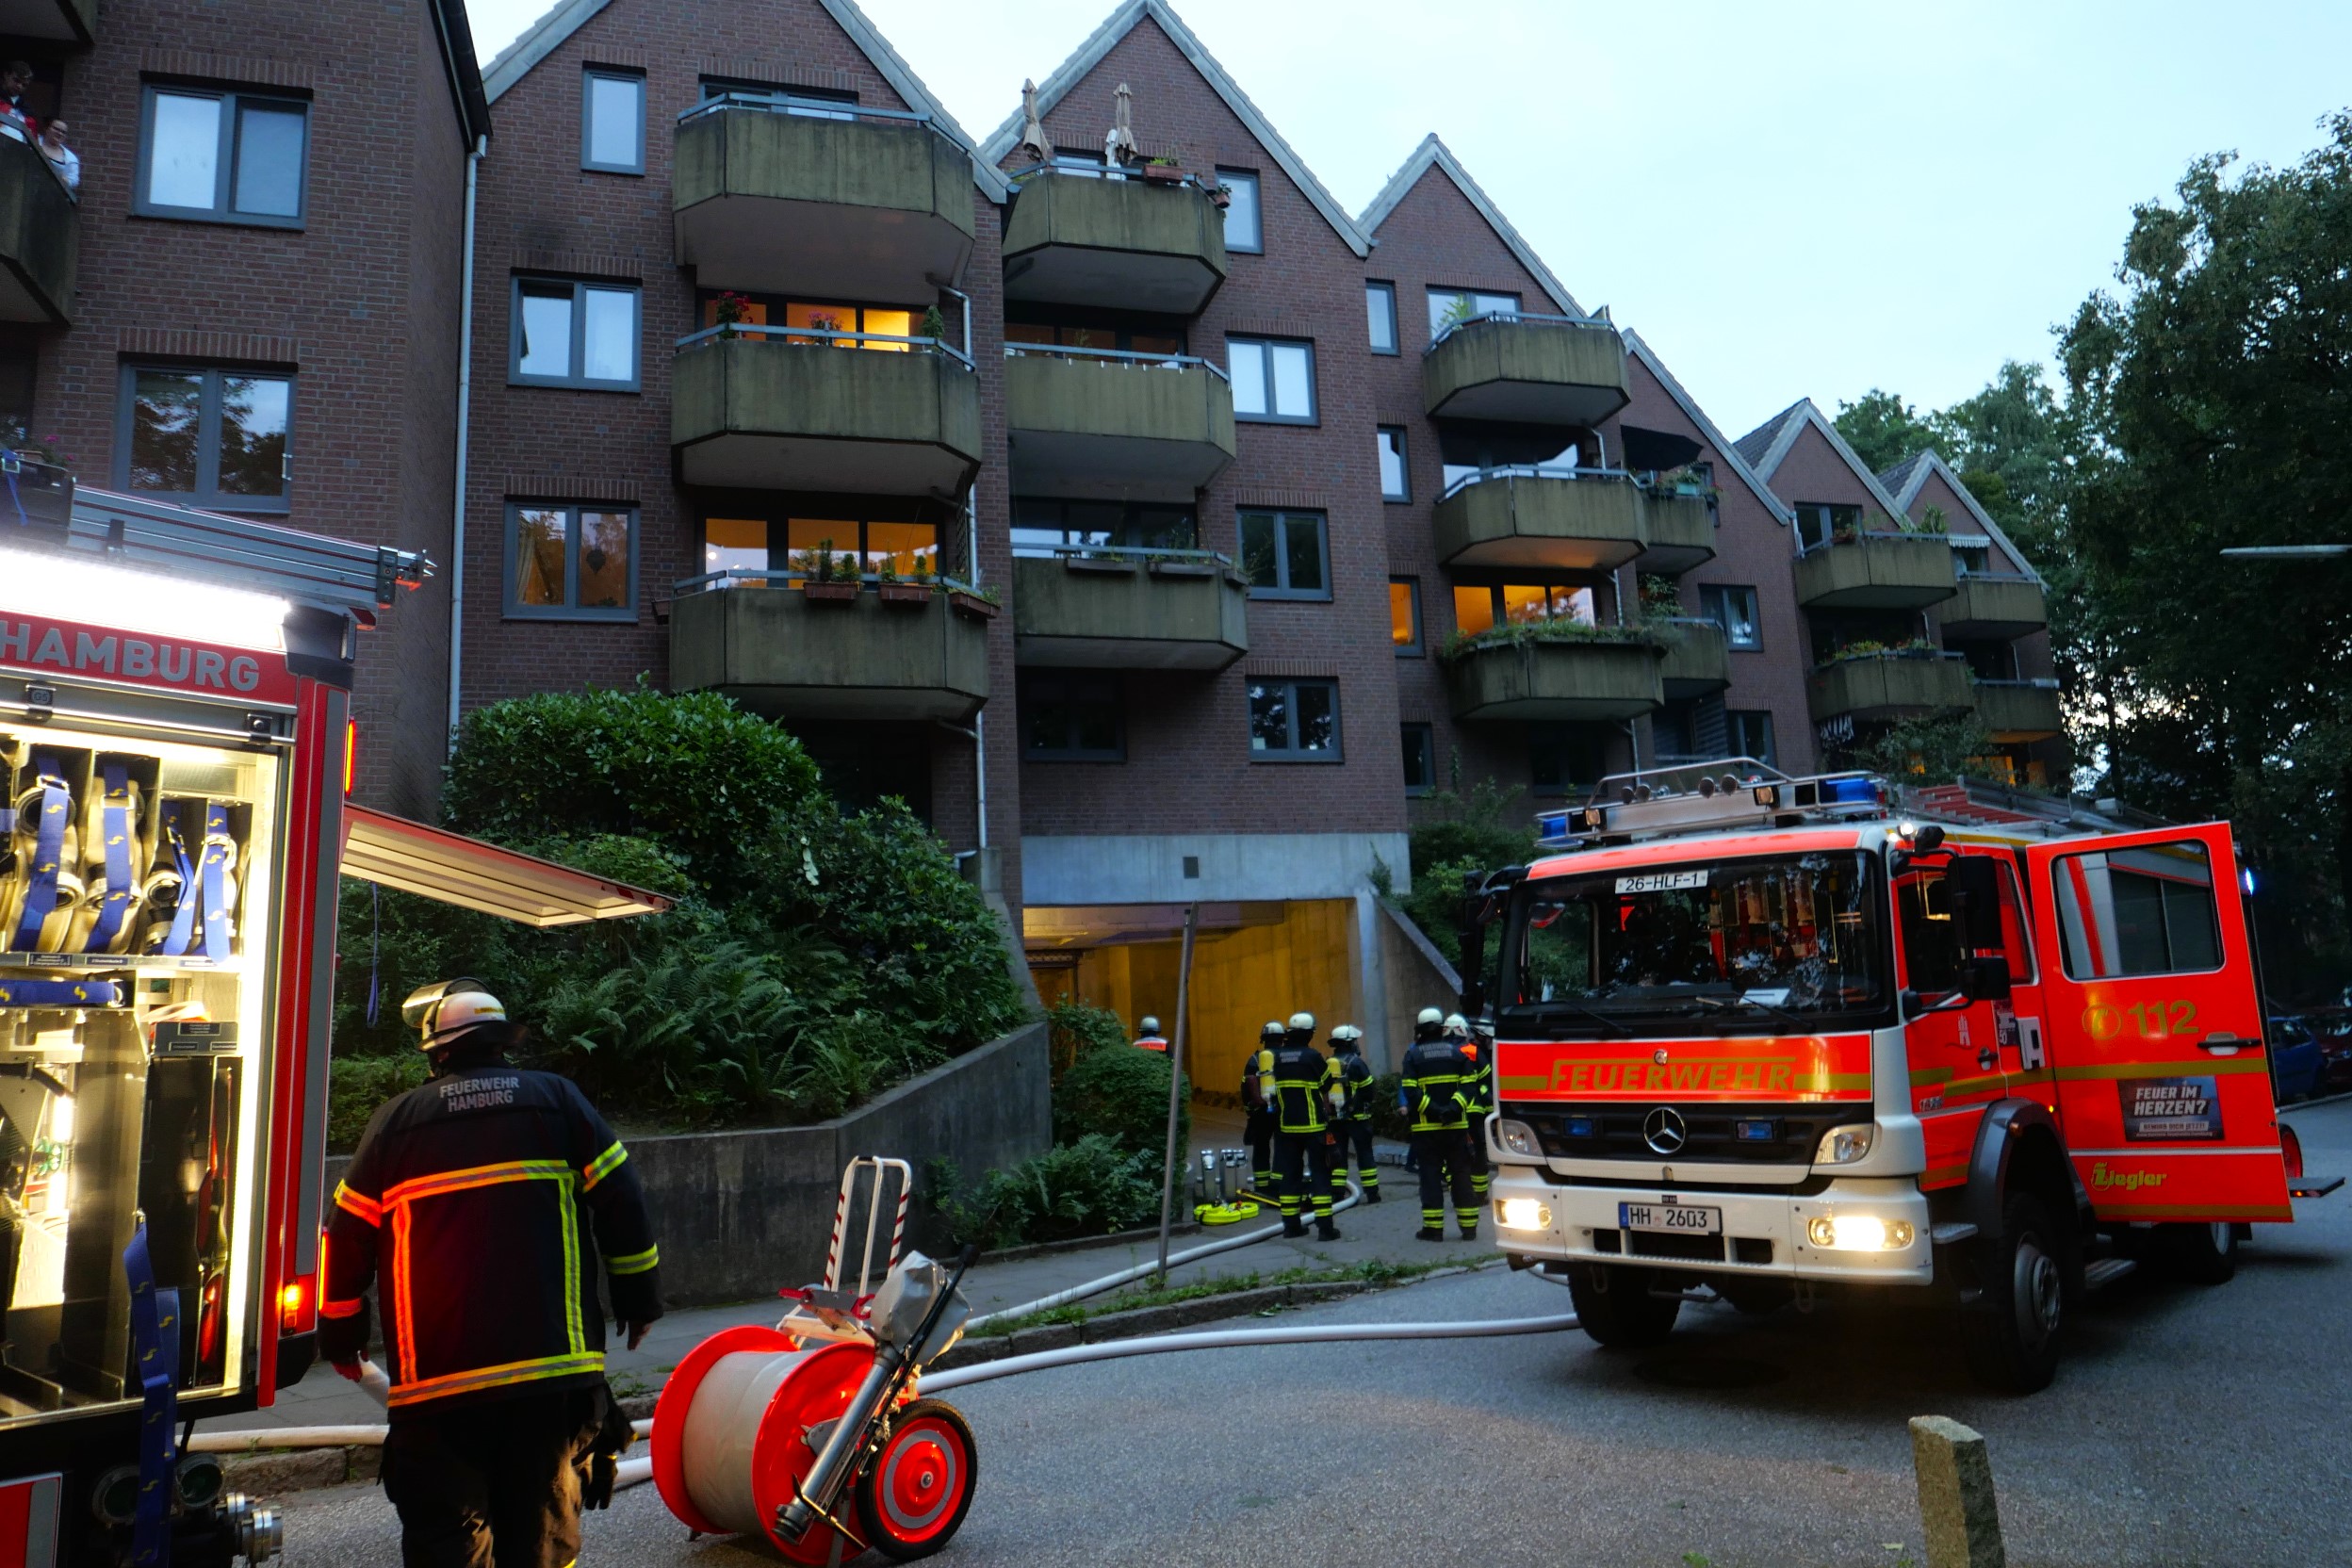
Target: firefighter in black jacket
[1301,1086]
[1430,1091]
[1257,1126]
[1477,1045]
[1351,1128]
[478,1205]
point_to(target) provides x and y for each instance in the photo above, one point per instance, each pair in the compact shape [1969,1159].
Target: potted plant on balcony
[1220,197]
[836,576]
[895,590]
[974,604]
[728,310]
[1163,172]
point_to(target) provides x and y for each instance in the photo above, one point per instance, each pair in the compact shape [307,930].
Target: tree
[1883,429]
[2211,390]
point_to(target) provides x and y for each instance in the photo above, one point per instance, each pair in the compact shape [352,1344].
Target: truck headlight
[1522,1214]
[1858,1232]
[1845,1145]
[1520,1139]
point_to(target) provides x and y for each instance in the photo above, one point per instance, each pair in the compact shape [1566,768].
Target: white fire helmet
[1151,1026]
[1273,1030]
[1347,1034]
[1303,1023]
[1431,1015]
[442,1011]
[1457,1026]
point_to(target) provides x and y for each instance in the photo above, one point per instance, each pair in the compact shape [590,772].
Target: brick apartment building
[253,301]
[1163,531]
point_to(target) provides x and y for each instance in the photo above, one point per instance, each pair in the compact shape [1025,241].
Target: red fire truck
[1768,1037]
[174,722]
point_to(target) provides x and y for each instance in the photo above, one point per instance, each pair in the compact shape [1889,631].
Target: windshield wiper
[1544,1009]
[1783,1014]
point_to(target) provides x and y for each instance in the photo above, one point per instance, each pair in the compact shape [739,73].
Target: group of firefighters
[1308,1112]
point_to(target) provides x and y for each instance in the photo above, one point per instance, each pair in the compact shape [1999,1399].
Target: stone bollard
[1963,1524]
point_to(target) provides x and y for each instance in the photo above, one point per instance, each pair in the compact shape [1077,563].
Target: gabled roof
[1434,154]
[1906,478]
[1118,25]
[1732,456]
[550,33]
[1767,445]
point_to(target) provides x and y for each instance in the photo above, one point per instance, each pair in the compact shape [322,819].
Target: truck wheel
[2011,1336]
[1615,1306]
[2201,1254]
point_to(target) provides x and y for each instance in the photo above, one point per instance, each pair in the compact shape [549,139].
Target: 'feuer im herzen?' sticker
[2170,1110]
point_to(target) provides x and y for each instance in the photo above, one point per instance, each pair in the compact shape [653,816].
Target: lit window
[1294,721]
[570,562]
[1245,228]
[574,334]
[613,122]
[225,156]
[1404,614]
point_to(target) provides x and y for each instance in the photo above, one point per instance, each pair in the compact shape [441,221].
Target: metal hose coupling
[260,1532]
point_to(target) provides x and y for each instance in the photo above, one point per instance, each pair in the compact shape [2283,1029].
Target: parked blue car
[2297,1066]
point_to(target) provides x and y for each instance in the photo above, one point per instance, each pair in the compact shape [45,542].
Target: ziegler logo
[2125,1181]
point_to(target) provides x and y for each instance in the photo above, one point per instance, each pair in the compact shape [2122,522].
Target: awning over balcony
[433,862]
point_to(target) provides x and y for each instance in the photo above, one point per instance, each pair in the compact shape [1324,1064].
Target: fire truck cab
[1774,1037]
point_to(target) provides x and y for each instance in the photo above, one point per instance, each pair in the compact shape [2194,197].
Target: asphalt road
[2188,1427]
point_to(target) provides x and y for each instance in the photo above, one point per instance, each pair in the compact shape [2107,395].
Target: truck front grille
[1614,1132]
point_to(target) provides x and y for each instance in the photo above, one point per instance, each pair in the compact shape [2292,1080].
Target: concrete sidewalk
[1384,1231]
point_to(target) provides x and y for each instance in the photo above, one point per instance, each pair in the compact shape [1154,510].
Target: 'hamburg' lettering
[89,651]
[244,673]
[163,662]
[52,649]
[16,643]
[138,658]
[131,656]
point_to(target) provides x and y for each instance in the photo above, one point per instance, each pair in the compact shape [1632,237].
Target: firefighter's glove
[349,1371]
[636,1333]
[613,1434]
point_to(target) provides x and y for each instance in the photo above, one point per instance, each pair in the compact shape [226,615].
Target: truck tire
[2201,1254]
[2011,1334]
[1615,1306]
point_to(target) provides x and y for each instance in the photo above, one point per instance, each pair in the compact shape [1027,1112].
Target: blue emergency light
[1580,1127]
[1756,1131]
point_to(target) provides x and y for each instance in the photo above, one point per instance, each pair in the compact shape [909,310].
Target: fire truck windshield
[1732,947]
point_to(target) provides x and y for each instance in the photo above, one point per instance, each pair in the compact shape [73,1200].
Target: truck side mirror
[1973,882]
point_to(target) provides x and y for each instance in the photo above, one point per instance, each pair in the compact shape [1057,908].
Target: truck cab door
[2154,1026]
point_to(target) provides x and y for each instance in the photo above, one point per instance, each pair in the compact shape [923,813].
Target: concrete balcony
[1994,608]
[783,199]
[1889,687]
[781,655]
[1538,680]
[1527,370]
[1678,533]
[62,21]
[1091,422]
[763,412]
[2019,710]
[1877,571]
[39,238]
[1698,658]
[1119,244]
[1570,519]
[1127,610]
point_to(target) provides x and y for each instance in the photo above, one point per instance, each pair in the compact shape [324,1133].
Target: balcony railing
[1114,240]
[39,234]
[1698,656]
[1876,571]
[2019,712]
[776,193]
[1995,605]
[920,654]
[1526,368]
[1544,516]
[1113,422]
[776,408]
[1903,684]
[1128,608]
[1552,673]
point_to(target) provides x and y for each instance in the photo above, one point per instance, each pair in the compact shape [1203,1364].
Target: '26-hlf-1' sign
[72,648]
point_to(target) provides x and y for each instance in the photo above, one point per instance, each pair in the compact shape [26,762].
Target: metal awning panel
[433,862]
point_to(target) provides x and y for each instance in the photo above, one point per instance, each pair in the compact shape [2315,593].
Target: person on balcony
[16,79]
[63,158]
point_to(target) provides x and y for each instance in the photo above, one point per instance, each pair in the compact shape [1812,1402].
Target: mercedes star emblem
[1664,1130]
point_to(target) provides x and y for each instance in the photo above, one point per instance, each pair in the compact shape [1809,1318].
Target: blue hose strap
[14,499]
[116,826]
[61,993]
[183,914]
[41,892]
[155,1352]
[218,846]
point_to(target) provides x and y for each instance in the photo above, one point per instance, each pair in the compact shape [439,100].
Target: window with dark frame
[1294,721]
[1396,484]
[1818,522]
[1284,555]
[1482,606]
[212,437]
[1379,309]
[1449,307]
[1404,617]
[612,121]
[222,157]
[1100,332]
[1273,380]
[1563,759]
[809,103]
[1733,608]
[1071,718]
[1420,749]
[572,334]
[1244,222]
[1043,527]
[571,560]
[1750,732]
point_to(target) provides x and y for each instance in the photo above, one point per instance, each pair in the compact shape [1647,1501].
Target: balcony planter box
[1091,564]
[904,593]
[1163,174]
[970,606]
[830,592]
[1184,568]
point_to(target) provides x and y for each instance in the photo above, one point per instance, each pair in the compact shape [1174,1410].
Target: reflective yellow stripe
[477,1176]
[341,1309]
[403,1313]
[635,1263]
[577,1339]
[356,1206]
[496,1377]
[602,1165]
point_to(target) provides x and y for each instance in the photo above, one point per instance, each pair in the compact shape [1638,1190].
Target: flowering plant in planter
[836,576]
[728,309]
